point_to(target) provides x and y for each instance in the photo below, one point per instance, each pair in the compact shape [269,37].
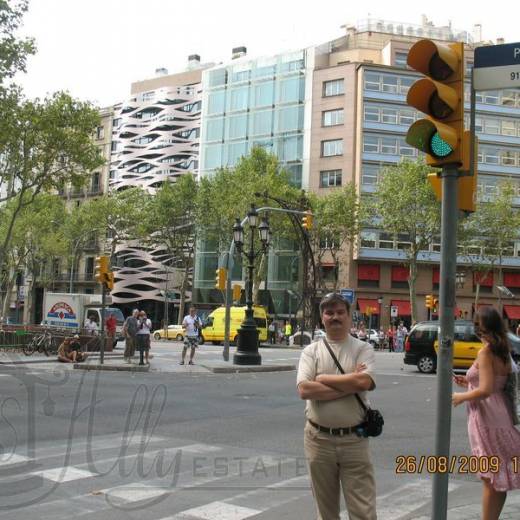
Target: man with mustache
[336,446]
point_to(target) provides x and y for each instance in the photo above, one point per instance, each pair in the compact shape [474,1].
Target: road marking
[197,448]
[9,459]
[134,492]
[216,511]
[406,499]
[64,474]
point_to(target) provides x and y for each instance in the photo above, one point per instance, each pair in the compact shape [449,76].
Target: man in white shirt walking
[191,325]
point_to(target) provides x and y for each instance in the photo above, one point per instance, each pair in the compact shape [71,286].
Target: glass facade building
[263,102]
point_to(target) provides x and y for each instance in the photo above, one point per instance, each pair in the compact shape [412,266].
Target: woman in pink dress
[490,413]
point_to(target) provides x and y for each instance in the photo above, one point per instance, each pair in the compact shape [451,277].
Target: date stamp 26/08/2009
[462,464]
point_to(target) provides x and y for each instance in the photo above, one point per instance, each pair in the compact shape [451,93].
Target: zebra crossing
[112,476]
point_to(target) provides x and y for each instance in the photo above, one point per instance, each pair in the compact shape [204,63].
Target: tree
[13,51]
[405,204]
[336,224]
[228,195]
[170,224]
[44,144]
[491,230]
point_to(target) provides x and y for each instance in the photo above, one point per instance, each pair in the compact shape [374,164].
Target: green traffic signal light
[439,147]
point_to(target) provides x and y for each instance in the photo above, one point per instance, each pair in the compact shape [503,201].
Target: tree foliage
[405,204]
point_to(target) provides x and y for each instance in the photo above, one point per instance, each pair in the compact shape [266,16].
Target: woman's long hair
[491,325]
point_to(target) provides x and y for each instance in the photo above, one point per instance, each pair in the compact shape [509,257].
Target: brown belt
[336,431]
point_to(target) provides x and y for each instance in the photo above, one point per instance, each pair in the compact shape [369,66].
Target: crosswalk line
[11,459]
[64,474]
[133,493]
[406,499]
[216,511]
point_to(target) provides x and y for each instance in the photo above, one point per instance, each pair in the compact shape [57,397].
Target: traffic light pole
[449,218]
[102,331]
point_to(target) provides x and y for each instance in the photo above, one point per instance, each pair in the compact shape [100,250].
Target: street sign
[497,66]
[348,294]
[393,311]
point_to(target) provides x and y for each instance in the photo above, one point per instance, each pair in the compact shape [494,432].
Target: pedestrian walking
[391,336]
[192,325]
[362,332]
[492,411]
[335,441]
[144,327]
[130,334]
[400,335]
[272,333]
[110,327]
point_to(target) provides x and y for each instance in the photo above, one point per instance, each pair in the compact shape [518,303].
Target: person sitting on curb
[69,353]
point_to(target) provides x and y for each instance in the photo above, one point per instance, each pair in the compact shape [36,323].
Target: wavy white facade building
[155,140]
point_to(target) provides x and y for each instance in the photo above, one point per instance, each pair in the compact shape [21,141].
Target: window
[100,132]
[389,145]
[372,81]
[390,84]
[389,116]
[404,84]
[370,174]
[372,113]
[264,94]
[492,126]
[261,123]
[405,149]
[400,59]
[216,102]
[330,178]
[333,88]
[289,119]
[332,117]
[214,129]
[368,239]
[331,148]
[370,144]
[236,127]
[406,117]
[508,127]
[291,90]
[239,98]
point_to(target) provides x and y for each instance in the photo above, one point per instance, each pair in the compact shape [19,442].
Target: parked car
[373,337]
[175,332]
[297,340]
[319,333]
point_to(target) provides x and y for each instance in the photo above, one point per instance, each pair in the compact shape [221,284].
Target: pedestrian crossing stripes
[177,479]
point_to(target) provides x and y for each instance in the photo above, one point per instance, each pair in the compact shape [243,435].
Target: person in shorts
[192,325]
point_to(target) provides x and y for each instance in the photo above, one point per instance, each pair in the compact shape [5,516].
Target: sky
[96,48]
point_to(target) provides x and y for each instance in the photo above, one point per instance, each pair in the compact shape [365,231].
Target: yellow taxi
[466,344]
[175,332]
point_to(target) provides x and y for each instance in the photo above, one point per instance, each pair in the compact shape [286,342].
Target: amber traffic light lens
[438,108]
[439,69]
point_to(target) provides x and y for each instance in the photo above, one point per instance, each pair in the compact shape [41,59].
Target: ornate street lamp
[247,345]
[460,278]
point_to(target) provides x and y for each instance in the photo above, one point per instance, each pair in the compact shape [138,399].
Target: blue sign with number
[348,294]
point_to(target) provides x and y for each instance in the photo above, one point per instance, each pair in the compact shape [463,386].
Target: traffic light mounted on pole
[101,268]
[429,301]
[220,278]
[237,292]
[307,220]
[440,95]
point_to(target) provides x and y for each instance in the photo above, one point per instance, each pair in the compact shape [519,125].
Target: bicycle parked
[40,343]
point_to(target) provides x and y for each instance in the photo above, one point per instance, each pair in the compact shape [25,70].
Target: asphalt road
[183,443]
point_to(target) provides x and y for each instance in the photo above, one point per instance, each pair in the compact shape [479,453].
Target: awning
[403,307]
[512,311]
[484,281]
[366,304]
[399,273]
[436,275]
[512,279]
[368,272]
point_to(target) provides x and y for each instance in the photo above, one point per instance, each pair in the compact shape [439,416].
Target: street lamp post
[247,346]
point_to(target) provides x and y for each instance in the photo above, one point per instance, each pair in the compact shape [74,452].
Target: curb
[114,368]
[52,359]
[235,369]
[282,347]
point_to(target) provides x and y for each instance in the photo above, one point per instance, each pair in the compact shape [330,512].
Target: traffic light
[435,304]
[429,301]
[220,278]
[307,220]
[237,292]
[440,95]
[110,281]
[101,268]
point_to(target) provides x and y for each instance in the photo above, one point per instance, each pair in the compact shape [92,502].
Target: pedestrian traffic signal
[220,278]
[429,301]
[237,292]
[307,220]
[101,268]
[440,95]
